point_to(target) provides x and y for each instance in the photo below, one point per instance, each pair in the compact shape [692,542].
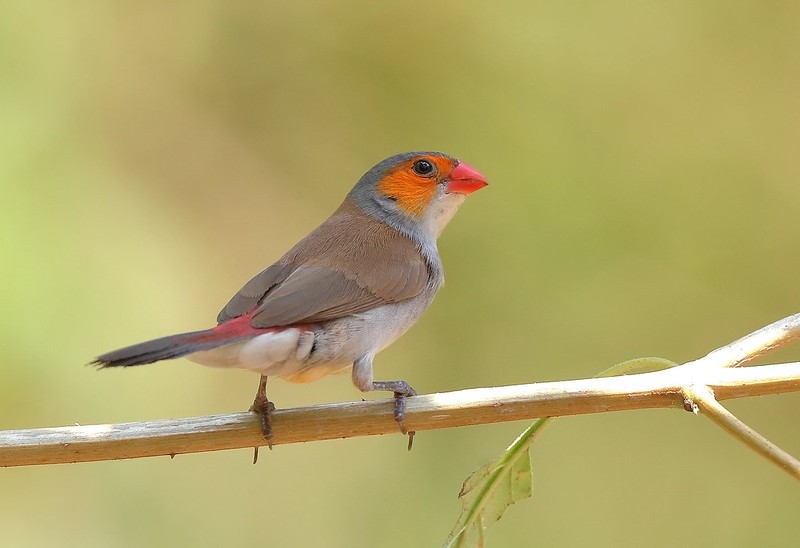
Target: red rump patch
[242,328]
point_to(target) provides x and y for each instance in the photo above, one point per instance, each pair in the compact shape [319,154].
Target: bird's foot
[401,390]
[263,408]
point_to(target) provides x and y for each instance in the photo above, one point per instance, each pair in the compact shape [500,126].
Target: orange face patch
[413,192]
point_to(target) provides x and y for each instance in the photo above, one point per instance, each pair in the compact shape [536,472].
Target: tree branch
[705,380]
[754,345]
[701,399]
[425,412]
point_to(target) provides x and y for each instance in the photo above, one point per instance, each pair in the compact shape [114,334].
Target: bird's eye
[424,168]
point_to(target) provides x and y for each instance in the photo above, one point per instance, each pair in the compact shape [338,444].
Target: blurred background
[644,200]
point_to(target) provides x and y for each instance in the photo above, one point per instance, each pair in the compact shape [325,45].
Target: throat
[436,217]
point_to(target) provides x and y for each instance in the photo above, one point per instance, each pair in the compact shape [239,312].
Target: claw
[401,390]
[400,415]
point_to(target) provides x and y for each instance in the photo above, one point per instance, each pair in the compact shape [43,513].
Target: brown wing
[253,291]
[350,264]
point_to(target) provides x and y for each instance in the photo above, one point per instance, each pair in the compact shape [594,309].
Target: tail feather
[165,348]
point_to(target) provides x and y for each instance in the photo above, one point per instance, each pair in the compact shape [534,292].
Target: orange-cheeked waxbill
[340,295]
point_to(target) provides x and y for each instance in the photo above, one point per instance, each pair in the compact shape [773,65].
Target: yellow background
[644,161]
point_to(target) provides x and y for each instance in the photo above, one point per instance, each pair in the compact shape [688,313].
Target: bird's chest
[367,333]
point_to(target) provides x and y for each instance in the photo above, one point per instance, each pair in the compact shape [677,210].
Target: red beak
[465,179]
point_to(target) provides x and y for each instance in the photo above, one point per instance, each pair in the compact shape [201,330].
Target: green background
[644,161]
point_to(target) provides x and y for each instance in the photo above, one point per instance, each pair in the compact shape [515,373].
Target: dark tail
[165,348]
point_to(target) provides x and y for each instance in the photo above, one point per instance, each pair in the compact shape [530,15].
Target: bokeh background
[644,160]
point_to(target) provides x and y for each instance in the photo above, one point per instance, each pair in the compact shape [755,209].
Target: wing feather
[350,264]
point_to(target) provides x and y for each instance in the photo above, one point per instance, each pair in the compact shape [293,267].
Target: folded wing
[350,264]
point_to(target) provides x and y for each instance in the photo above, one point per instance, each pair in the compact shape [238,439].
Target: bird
[344,292]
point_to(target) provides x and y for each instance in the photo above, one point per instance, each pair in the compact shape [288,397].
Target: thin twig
[753,346]
[706,403]
[425,412]
[466,407]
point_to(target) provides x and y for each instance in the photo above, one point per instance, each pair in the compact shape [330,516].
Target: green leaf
[637,365]
[492,488]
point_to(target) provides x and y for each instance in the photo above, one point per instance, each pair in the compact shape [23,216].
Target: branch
[702,399]
[753,346]
[425,412]
[705,380]
[490,490]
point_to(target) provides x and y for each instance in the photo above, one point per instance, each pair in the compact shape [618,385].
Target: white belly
[301,355]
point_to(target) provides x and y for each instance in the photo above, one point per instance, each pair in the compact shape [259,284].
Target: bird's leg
[401,391]
[362,378]
[264,408]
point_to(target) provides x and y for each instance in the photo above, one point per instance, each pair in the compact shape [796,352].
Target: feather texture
[349,264]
